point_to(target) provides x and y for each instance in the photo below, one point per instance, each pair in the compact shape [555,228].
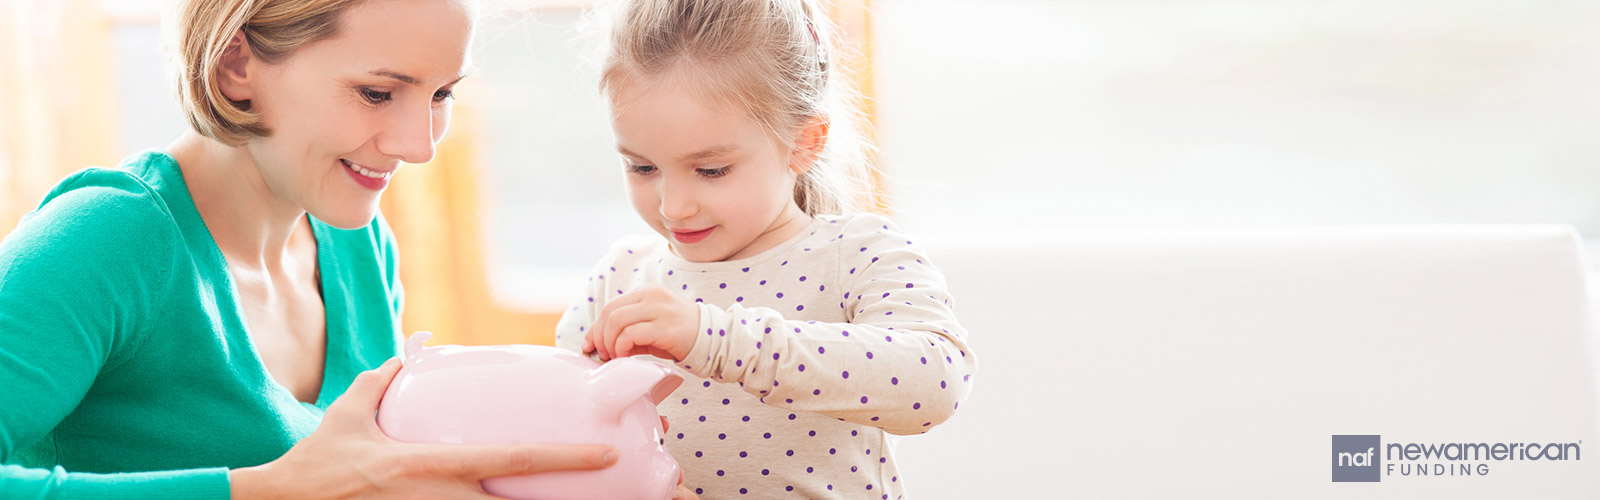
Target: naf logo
[1356,459]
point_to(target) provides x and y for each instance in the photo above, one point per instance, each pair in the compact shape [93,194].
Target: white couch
[1219,364]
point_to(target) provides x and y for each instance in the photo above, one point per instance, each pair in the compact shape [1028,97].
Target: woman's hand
[349,457]
[650,320]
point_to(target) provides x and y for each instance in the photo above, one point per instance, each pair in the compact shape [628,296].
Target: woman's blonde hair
[200,31]
[773,59]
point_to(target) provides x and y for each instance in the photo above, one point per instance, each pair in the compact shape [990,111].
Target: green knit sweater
[126,369]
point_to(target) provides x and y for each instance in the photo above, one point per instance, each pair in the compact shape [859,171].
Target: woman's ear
[236,68]
[808,145]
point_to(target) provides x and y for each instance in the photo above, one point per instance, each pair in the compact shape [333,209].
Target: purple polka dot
[719,472]
[908,285]
[869,354]
[802,367]
[724,401]
[780,295]
[702,418]
[705,384]
[888,338]
[802,278]
[699,454]
[774,356]
[813,433]
[863,400]
[722,436]
[685,400]
[724,285]
[816,392]
[821,350]
[763,282]
[894,380]
[846,374]
[800,308]
[766,435]
[916,406]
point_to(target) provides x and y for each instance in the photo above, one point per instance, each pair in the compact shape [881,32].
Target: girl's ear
[808,145]
[235,69]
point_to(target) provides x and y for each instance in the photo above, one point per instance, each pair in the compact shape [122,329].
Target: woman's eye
[642,169]
[443,95]
[712,173]
[375,96]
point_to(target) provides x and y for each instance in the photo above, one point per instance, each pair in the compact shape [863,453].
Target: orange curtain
[59,112]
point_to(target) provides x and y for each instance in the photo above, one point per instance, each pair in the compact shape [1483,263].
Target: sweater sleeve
[77,280]
[900,363]
[583,310]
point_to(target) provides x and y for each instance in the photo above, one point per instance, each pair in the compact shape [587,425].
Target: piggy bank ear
[619,383]
[414,344]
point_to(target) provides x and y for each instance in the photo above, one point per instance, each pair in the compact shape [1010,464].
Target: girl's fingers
[623,318]
[603,321]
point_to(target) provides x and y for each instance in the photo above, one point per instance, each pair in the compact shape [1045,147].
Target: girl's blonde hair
[199,32]
[772,59]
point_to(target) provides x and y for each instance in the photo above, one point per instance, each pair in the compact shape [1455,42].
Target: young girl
[805,336]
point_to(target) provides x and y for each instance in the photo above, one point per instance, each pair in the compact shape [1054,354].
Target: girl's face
[347,111]
[711,180]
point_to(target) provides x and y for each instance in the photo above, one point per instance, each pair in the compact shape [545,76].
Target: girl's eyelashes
[647,170]
[443,95]
[712,173]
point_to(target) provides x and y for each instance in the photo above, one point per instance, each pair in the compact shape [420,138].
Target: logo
[1357,458]
[1365,459]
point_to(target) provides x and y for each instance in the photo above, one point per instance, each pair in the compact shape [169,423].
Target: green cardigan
[126,369]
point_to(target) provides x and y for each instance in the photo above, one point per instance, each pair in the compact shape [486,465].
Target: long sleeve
[900,363]
[75,291]
[584,309]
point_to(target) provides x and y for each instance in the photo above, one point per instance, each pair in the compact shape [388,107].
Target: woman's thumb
[361,399]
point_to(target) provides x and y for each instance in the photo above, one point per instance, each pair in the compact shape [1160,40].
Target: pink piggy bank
[516,394]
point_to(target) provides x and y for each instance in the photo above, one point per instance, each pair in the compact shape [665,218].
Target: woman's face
[347,111]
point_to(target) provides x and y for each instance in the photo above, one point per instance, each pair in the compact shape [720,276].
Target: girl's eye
[443,95]
[375,96]
[642,169]
[712,173]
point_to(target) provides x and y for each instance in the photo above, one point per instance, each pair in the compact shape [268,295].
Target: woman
[196,322]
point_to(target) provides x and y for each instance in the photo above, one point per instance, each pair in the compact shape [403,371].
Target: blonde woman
[208,320]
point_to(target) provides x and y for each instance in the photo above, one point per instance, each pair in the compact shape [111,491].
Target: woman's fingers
[360,401]
[481,461]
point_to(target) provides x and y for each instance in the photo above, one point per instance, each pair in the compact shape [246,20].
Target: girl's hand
[650,320]
[684,493]
[347,456]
